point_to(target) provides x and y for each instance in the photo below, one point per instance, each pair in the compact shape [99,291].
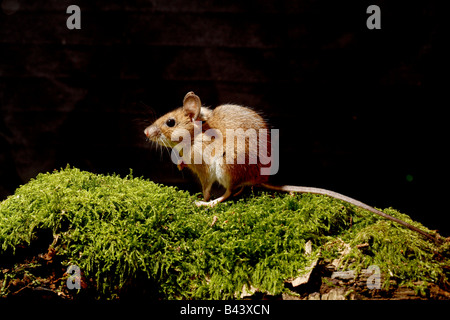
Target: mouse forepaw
[181,165]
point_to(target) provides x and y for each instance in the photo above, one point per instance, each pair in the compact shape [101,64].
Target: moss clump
[130,234]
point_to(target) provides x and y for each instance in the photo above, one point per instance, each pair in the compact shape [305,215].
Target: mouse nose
[147,132]
[151,131]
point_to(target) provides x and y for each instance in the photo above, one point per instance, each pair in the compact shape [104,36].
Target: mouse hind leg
[239,191]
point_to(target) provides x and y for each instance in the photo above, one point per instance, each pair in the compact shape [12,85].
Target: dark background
[360,111]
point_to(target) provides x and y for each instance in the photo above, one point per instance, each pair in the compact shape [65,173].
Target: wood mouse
[198,138]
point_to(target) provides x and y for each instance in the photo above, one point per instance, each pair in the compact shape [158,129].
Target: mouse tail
[329,193]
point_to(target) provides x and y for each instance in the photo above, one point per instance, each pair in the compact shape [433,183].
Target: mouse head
[176,122]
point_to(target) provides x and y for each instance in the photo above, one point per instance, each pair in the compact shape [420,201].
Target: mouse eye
[170,122]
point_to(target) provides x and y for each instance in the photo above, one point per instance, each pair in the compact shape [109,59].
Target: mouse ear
[192,105]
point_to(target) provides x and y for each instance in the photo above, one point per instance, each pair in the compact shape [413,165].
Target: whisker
[168,151]
[162,152]
[160,149]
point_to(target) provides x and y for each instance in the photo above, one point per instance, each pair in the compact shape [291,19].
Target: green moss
[120,231]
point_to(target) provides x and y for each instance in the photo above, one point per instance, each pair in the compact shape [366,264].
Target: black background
[360,112]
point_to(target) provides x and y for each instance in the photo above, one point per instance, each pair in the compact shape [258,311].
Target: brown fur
[230,175]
